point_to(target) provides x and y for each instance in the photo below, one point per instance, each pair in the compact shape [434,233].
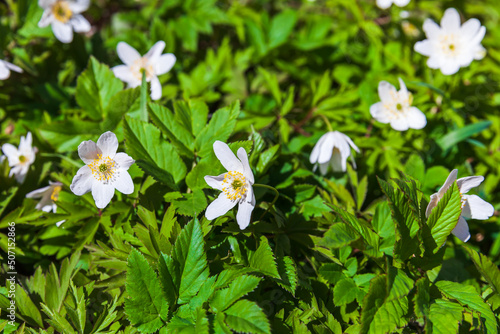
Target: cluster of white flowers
[64,16]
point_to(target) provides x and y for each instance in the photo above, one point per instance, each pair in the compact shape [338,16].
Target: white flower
[452,46]
[153,63]
[384,4]
[104,171]
[236,185]
[472,206]
[48,195]
[64,17]
[6,67]
[333,148]
[395,108]
[20,159]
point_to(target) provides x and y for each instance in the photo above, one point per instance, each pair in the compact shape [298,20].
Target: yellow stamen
[104,168]
[142,65]
[22,159]
[61,11]
[55,193]
[234,185]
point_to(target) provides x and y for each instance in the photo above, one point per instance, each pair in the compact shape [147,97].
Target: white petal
[79,6]
[434,61]
[46,18]
[11,153]
[432,30]
[227,157]
[102,194]
[164,63]
[59,223]
[477,208]
[450,67]
[123,73]
[479,52]
[244,214]
[4,71]
[402,88]
[432,204]
[219,207]
[467,183]
[343,147]
[123,160]
[479,36]
[108,144]
[80,24]
[126,53]
[323,168]
[25,144]
[317,148]
[338,163]
[326,149]
[401,3]
[13,67]
[449,181]
[88,151]
[451,21]
[215,181]
[155,88]
[384,4]
[46,4]
[82,182]
[124,183]
[386,91]
[247,171]
[400,124]
[37,193]
[45,207]
[425,47]
[469,29]
[155,52]
[350,142]
[416,118]
[62,31]
[461,231]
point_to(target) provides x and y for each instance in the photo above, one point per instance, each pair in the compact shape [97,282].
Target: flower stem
[144,98]
[328,125]
[276,195]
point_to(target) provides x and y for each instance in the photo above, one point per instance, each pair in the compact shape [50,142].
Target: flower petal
[219,207]
[449,181]
[164,63]
[11,153]
[350,142]
[400,124]
[123,160]
[102,194]
[431,28]
[313,158]
[155,52]
[123,73]
[4,71]
[46,18]
[244,214]
[37,193]
[46,4]
[62,31]
[425,47]
[124,183]
[379,113]
[338,163]
[416,118]
[432,204]
[215,181]
[155,88]
[82,182]
[401,3]
[79,6]
[247,171]
[88,151]
[469,29]
[461,231]
[80,24]
[451,21]
[477,208]
[467,183]
[386,91]
[25,144]
[13,67]
[451,66]
[384,4]
[326,149]
[227,157]
[108,144]
[126,53]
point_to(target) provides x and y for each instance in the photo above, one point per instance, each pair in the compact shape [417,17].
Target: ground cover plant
[260,166]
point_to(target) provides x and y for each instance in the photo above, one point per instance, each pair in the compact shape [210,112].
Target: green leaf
[421,300]
[332,272]
[191,204]
[246,317]
[263,259]
[345,291]
[445,316]
[237,289]
[154,155]
[339,235]
[272,84]
[288,274]
[146,306]
[95,88]
[193,114]
[467,295]
[454,137]
[281,27]
[486,267]
[57,321]
[27,308]
[444,217]
[118,106]
[266,158]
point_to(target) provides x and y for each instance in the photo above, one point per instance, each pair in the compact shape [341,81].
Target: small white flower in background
[472,205]
[153,63]
[104,170]
[20,159]
[236,185]
[6,67]
[384,4]
[332,149]
[395,108]
[64,17]
[451,45]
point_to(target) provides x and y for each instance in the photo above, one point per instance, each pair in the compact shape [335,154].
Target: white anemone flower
[236,185]
[152,63]
[6,67]
[332,149]
[104,170]
[20,159]
[395,108]
[384,4]
[48,195]
[64,17]
[472,205]
[451,45]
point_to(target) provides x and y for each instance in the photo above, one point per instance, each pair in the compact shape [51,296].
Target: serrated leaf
[193,114]
[339,235]
[237,289]
[421,300]
[27,308]
[245,316]
[288,274]
[266,158]
[95,87]
[486,267]
[345,291]
[332,272]
[146,306]
[118,106]
[445,316]
[263,259]
[191,204]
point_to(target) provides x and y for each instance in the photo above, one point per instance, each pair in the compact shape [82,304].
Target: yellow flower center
[104,168]
[55,193]
[61,11]
[234,185]
[22,159]
[142,65]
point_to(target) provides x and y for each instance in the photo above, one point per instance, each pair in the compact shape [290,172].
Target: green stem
[276,192]
[328,125]
[144,98]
